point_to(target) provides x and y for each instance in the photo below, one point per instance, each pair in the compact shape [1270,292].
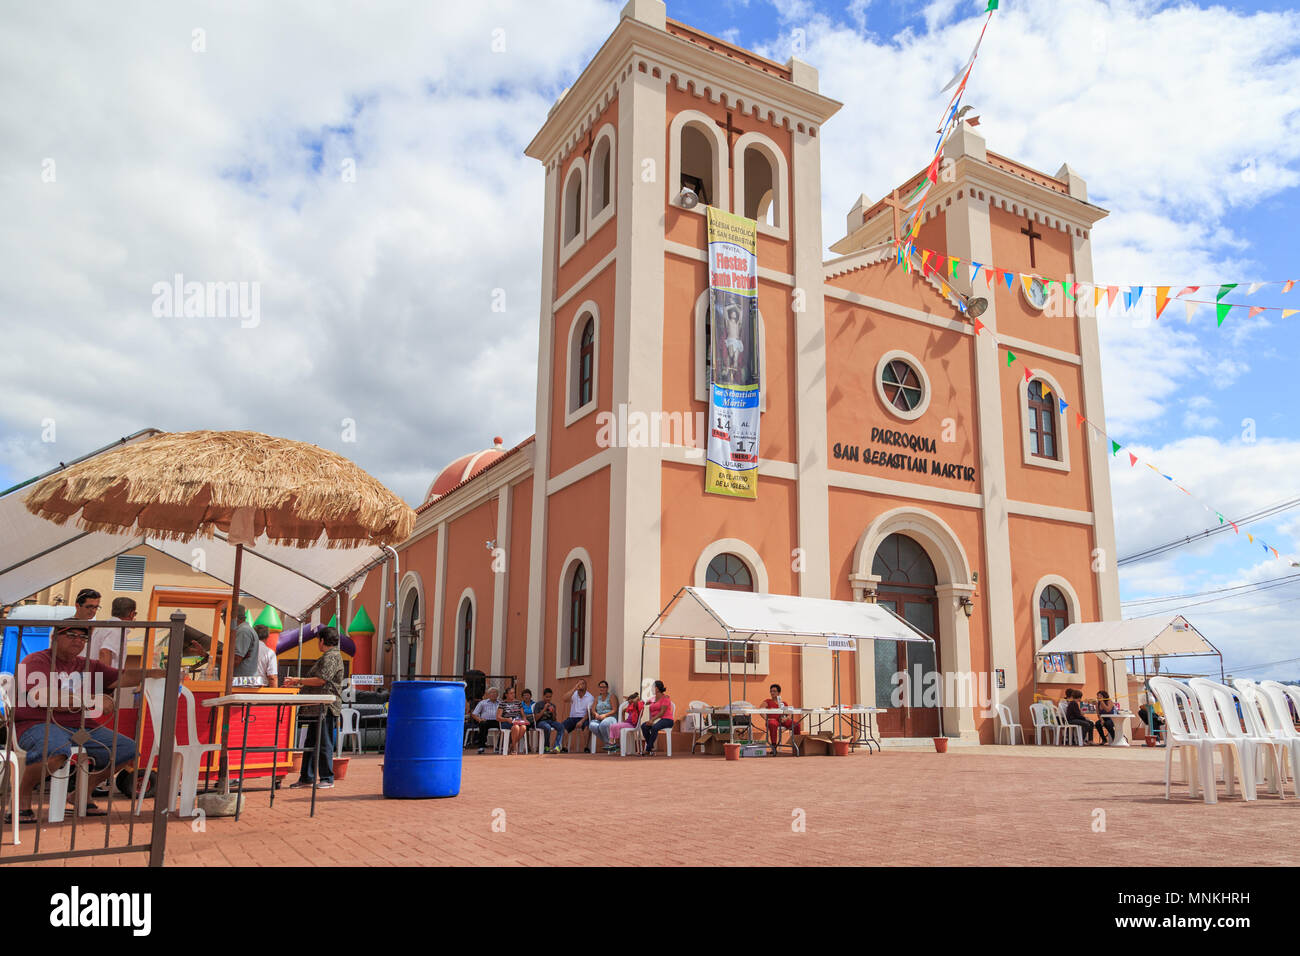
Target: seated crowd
[600,716]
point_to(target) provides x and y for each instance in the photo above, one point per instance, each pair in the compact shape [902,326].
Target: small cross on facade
[1029,231]
[730,130]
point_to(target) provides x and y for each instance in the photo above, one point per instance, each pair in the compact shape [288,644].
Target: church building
[901,460]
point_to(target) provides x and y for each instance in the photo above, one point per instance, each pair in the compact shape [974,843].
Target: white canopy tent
[36,553]
[713,614]
[1141,637]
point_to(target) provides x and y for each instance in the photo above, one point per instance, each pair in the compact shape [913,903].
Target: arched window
[586,362]
[577,636]
[580,373]
[698,164]
[1053,618]
[760,187]
[728,572]
[600,181]
[466,636]
[1042,423]
[573,207]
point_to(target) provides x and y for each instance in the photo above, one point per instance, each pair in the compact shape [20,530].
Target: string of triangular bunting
[1116,447]
[949,267]
[946,126]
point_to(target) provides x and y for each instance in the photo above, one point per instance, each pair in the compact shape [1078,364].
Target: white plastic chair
[1008,726]
[1219,708]
[78,762]
[1066,729]
[1277,716]
[665,735]
[1183,732]
[699,719]
[349,726]
[187,758]
[11,769]
[1272,749]
[1041,714]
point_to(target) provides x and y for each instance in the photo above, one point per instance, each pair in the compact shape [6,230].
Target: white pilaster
[810,401]
[635,511]
[439,594]
[533,668]
[969,237]
[1098,464]
[500,582]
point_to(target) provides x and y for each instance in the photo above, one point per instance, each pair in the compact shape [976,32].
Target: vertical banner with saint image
[732,459]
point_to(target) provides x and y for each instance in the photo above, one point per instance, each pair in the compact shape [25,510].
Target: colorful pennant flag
[1132,459]
[1162,299]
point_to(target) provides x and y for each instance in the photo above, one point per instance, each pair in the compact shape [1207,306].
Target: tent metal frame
[770,641]
[1112,657]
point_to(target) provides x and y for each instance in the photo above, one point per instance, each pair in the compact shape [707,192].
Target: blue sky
[1183,118]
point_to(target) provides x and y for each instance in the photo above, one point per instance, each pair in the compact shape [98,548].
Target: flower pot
[839,748]
[732,751]
[341,767]
[295,763]
[941,745]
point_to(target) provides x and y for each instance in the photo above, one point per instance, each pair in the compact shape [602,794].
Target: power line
[1182,597]
[1160,549]
[1226,597]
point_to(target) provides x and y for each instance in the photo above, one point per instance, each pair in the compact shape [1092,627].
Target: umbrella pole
[228,668]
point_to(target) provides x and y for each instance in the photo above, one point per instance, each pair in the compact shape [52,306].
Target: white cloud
[226,165]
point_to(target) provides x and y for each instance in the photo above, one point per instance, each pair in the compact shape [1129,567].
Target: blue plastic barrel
[426,728]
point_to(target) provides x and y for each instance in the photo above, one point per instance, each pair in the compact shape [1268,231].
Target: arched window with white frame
[1044,439]
[600,176]
[762,183]
[582,363]
[573,633]
[573,209]
[697,161]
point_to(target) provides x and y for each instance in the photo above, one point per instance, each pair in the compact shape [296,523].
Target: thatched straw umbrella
[185,485]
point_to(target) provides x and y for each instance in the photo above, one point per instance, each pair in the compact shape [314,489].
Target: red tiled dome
[462,469]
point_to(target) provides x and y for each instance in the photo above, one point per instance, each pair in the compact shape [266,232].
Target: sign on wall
[732,465]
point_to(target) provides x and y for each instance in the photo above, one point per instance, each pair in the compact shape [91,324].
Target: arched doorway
[465,640]
[410,650]
[907,587]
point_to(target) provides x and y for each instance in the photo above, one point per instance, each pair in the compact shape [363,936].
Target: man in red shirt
[81,692]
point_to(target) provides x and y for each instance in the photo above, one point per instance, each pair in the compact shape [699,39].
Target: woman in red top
[775,723]
[661,718]
[631,716]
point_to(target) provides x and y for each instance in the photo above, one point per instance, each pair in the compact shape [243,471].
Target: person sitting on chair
[1105,724]
[631,715]
[510,717]
[1074,713]
[60,674]
[661,718]
[775,723]
[484,716]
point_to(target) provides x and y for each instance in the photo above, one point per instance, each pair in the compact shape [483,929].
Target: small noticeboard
[837,643]
[367,680]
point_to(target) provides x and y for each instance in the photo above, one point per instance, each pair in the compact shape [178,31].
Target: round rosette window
[902,385]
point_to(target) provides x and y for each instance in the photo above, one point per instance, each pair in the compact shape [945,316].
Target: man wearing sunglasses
[79,691]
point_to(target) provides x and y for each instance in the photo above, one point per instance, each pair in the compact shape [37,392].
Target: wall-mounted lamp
[975,307]
[688,198]
[967,605]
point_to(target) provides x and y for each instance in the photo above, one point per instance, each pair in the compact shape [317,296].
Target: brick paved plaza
[991,805]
